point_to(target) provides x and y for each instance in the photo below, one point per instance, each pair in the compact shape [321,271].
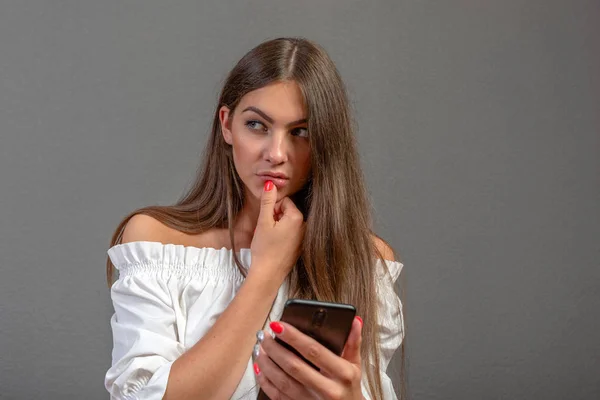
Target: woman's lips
[279,182]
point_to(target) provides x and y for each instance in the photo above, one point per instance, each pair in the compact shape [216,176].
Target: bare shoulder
[142,227]
[384,249]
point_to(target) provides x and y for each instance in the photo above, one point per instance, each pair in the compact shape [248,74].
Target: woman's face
[269,137]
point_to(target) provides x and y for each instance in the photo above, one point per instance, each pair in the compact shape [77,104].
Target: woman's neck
[247,218]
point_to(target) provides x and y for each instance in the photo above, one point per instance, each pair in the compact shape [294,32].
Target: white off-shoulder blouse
[168,296]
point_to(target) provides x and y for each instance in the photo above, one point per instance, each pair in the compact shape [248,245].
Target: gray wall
[480,137]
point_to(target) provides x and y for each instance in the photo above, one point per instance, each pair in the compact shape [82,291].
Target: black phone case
[331,331]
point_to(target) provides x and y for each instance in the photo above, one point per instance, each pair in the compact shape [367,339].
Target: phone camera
[319,317]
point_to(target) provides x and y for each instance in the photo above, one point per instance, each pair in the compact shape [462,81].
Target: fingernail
[276,327]
[360,320]
[268,186]
[256,350]
[256,369]
[260,336]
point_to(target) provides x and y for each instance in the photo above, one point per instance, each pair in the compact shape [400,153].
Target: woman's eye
[302,132]
[255,125]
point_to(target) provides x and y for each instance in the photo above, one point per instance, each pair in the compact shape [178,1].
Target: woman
[279,210]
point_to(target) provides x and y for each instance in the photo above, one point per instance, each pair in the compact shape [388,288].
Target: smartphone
[328,323]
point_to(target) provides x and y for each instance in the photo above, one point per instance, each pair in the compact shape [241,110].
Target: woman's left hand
[283,375]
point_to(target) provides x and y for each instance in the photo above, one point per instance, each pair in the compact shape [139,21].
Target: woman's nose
[276,151]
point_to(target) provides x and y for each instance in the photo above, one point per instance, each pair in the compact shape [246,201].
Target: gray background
[480,139]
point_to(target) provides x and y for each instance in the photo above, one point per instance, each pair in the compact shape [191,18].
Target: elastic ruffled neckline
[162,259]
[157,255]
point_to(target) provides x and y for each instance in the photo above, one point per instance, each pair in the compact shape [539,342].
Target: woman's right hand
[278,237]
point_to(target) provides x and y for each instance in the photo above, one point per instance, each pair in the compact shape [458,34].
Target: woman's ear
[224,117]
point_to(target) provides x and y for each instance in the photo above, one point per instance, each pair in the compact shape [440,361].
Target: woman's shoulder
[149,246]
[146,228]
[384,250]
[143,227]
[393,264]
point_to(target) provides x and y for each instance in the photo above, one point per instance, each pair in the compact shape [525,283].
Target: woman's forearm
[213,367]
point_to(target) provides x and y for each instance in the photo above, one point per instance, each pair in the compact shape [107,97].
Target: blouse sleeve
[162,291]
[390,325]
[145,339]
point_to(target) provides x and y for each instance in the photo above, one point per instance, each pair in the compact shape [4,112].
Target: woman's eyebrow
[270,120]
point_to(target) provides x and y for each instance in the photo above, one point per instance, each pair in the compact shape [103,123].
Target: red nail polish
[360,320]
[276,327]
[268,186]
[256,369]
